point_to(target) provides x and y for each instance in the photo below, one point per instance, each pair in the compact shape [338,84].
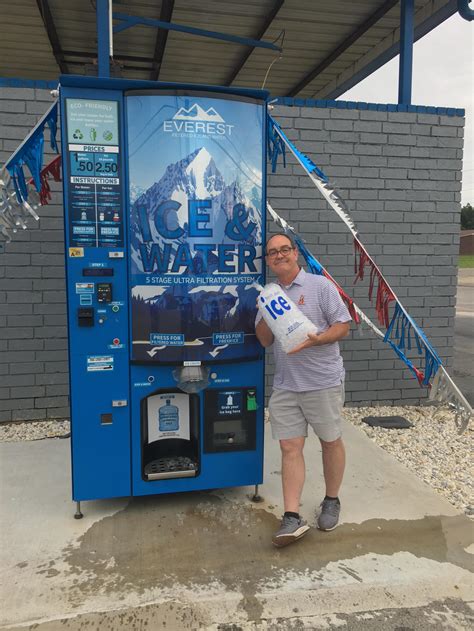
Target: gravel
[33,430]
[432,449]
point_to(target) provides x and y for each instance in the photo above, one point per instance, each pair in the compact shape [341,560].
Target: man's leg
[292,472]
[334,462]
[292,526]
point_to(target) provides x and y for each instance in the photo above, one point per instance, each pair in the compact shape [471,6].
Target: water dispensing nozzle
[191,379]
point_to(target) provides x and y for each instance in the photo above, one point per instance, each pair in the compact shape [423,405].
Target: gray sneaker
[291,529]
[329,515]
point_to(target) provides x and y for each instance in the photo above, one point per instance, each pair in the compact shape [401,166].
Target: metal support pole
[406,51]
[103,38]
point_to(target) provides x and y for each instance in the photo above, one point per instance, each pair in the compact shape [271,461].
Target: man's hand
[335,332]
[264,334]
[313,340]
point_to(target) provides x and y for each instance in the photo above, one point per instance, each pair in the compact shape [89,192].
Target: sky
[442,76]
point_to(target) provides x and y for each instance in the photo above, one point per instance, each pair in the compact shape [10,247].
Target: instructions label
[100,363]
[94,173]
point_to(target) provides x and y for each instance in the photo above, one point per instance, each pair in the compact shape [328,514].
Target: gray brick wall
[33,338]
[400,174]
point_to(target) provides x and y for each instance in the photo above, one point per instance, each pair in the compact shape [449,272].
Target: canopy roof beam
[45,12]
[132,20]
[343,46]
[166,13]
[266,24]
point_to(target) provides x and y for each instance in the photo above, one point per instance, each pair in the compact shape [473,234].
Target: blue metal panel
[103,38]
[99,367]
[100,451]
[406,51]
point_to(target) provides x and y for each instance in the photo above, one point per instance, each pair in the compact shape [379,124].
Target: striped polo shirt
[318,367]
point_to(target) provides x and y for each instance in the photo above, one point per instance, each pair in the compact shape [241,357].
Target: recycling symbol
[77,135]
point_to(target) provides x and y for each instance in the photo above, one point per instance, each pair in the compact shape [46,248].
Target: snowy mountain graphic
[135,192]
[195,311]
[196,112]
[193,177]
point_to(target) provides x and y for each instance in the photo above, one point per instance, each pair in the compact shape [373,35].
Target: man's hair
[281,234]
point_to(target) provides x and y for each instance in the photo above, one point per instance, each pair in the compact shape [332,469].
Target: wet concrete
[205,560]
[194,540]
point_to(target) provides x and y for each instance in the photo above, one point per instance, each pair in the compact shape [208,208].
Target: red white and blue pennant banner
[20,193]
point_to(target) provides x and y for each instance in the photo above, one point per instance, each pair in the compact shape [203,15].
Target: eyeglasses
[284,251]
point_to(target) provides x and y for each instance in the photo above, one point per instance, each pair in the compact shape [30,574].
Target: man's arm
[336,332]
[264,333]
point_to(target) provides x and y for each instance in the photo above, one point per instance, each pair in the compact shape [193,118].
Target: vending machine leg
[78,514]
[256,497]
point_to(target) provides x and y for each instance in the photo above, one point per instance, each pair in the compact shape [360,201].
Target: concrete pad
[466,277]
[200,560]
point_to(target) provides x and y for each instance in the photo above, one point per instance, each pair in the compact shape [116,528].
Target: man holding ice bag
[308,386]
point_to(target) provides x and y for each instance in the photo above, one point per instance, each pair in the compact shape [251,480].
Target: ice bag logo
[195,120]
[277,306]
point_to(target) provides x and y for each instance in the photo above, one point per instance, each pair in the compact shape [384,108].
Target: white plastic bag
[287,323]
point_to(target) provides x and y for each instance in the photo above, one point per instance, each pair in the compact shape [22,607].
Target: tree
[467,217]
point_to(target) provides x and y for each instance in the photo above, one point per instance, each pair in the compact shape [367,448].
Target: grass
[466,260]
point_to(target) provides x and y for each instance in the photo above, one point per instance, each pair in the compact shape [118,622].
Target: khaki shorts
[292,412]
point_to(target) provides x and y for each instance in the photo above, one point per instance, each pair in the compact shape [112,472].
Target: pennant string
[30,153]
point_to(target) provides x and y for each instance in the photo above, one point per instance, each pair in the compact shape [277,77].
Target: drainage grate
[170,467]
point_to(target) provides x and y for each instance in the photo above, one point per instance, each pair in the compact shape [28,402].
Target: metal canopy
[328,45]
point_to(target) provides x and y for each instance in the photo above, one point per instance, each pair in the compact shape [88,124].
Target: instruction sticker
[76,252]
[96,363]
[84,288]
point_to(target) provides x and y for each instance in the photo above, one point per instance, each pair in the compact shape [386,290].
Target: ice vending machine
[164,198]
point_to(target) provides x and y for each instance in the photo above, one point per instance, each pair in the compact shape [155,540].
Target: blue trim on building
[13,82]
[379,107]
[6,82]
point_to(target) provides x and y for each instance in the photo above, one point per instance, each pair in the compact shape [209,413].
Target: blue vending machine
[164,198]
